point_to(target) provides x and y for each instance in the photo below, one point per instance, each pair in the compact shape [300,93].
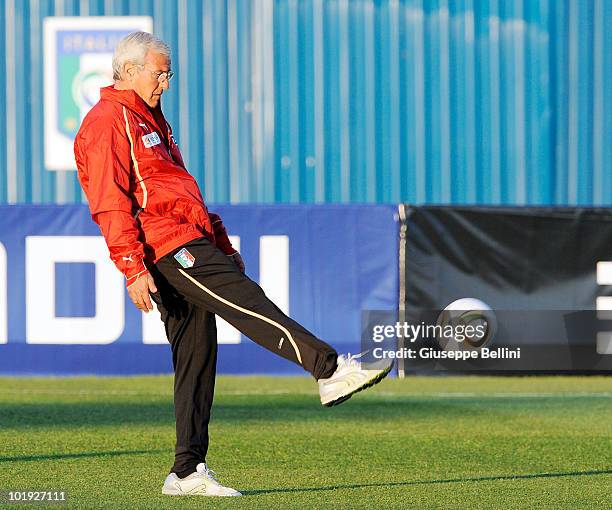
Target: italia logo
[185,258]
[151,139]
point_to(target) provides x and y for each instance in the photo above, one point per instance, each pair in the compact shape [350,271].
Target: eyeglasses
[160,76]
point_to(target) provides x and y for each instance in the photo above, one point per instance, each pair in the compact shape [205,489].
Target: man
[169,247]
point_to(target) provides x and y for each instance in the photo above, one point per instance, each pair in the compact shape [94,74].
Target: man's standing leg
[192,334]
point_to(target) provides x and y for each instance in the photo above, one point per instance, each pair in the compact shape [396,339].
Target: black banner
[533,281]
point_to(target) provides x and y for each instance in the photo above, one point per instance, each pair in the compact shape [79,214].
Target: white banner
[78,62]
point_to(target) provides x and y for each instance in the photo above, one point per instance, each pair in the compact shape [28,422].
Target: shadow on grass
[428,482]
[276,408]
[298,409]
[58,456]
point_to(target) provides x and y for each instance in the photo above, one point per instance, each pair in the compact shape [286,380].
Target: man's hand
[139,292]
[238,261]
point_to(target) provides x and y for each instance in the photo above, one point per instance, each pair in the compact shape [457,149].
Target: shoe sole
[196,493]
[365,386]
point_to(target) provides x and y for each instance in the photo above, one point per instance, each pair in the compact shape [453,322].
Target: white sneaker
[201,483]
[348,379]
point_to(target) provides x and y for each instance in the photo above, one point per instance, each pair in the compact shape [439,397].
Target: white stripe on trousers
[248,312]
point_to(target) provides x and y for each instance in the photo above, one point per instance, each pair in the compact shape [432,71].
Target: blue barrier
[64,309]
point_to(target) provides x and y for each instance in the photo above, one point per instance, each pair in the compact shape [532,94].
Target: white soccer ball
[455,319]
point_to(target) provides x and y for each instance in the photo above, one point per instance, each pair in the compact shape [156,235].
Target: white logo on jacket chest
[151,139]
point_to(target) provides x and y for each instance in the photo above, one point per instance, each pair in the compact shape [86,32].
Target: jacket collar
[127,98]
[134,102]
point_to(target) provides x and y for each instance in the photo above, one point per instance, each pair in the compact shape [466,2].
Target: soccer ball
[455,319]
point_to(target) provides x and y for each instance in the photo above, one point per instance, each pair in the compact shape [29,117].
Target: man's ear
[129,70]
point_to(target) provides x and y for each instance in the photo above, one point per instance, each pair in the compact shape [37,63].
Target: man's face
[145,80]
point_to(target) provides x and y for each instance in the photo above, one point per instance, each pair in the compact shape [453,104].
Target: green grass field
[447,442]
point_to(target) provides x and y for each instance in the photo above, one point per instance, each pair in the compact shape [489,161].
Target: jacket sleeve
[103,159]
[221,239]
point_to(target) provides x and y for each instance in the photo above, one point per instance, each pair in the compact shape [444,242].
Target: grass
[425,442]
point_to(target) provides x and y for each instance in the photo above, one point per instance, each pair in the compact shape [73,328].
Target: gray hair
[133,48]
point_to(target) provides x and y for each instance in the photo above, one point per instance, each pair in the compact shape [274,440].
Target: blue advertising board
[64,308]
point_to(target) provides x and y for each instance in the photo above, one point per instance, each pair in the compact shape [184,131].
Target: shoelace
[352,359]
[210,473]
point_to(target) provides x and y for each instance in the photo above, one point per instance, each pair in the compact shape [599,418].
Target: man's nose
[165,84]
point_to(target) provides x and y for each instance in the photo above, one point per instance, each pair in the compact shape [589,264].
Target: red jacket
[139,192]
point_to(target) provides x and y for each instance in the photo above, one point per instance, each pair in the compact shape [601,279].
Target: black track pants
[188,299]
